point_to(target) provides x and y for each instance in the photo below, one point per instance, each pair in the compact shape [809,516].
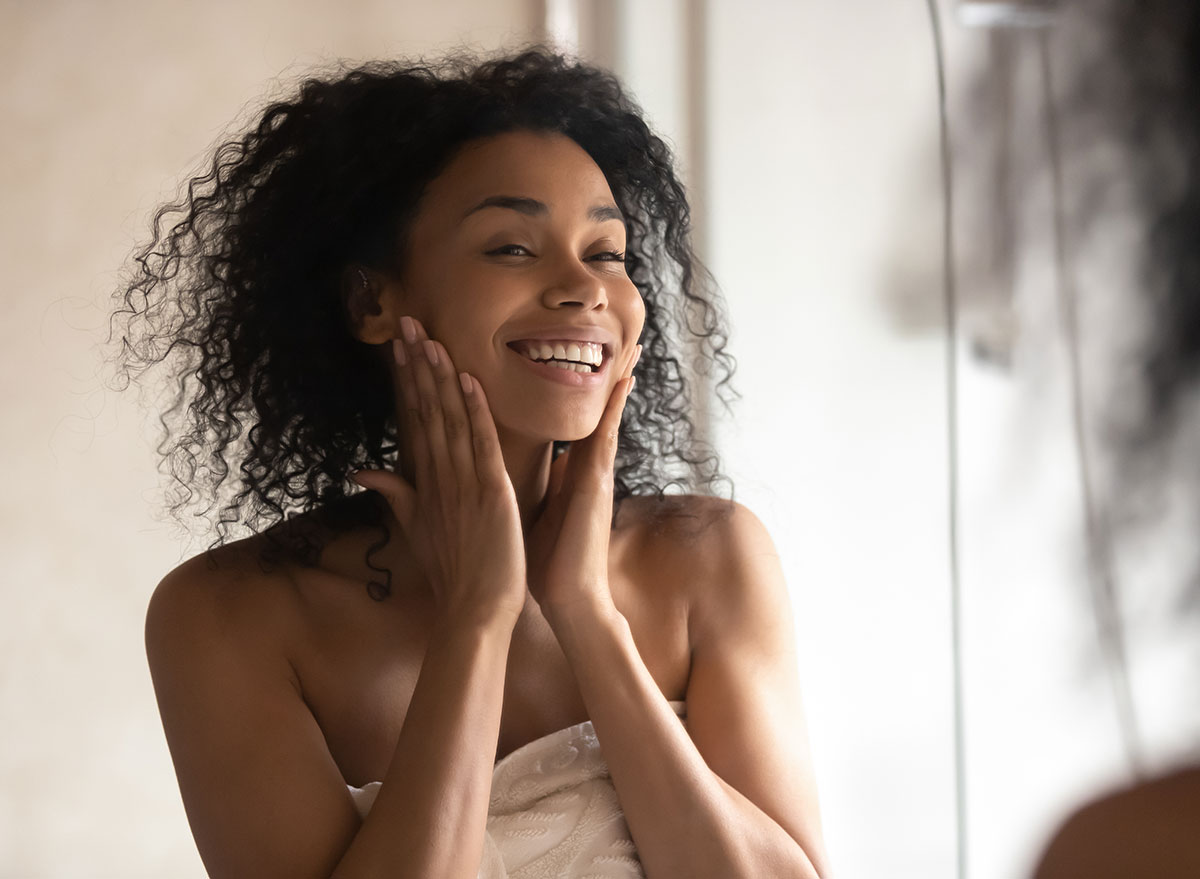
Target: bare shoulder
[263,795]
[715,549]
[225,594]
[1147,829]
[744,707]
[680,525]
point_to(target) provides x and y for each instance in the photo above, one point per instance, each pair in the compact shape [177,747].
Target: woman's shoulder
[698,527]
[720,558]
[262,574]
[271,592]
[227,594]
[699,538]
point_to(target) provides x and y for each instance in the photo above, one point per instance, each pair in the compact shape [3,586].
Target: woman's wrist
[474,620]
[587,612]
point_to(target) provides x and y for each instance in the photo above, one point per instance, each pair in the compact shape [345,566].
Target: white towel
[553,812]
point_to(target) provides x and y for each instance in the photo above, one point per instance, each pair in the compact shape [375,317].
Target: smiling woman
[495,661]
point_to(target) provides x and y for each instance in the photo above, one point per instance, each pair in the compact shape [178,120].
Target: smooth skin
[516,609]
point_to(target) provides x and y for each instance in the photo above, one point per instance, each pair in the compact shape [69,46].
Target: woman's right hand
[461,519]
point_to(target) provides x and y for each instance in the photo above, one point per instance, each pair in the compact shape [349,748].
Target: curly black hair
[241,283]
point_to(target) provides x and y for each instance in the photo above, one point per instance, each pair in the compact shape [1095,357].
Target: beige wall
[102,107]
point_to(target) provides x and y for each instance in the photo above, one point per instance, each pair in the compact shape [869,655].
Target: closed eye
[521,250]
[507,250]
[610,256]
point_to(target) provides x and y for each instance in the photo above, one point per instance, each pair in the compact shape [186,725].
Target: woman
[367,288]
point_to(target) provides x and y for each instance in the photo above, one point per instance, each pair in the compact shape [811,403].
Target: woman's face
[519,239]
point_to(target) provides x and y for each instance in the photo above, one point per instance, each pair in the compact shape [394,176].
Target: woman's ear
[369,305]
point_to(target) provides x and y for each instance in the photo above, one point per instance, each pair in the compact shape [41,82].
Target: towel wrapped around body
[553,812]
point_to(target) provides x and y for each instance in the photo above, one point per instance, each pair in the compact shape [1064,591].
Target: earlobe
[367,305]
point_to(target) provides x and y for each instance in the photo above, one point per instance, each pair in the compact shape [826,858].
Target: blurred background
[807,133]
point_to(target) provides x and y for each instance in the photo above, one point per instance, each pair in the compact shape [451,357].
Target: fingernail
[465,381]
[632,382]
[409,329]
[398,352]
[430,351]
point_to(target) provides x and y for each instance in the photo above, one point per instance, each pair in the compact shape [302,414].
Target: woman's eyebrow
[533,208]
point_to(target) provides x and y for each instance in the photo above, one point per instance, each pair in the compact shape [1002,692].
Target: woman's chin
[554,430]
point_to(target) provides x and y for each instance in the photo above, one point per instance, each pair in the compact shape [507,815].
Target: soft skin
[478,279]
[517,608]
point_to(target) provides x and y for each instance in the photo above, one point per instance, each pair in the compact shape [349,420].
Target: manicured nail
[430,351]
[409,329]
[465,381]
[398,352]
[632,382]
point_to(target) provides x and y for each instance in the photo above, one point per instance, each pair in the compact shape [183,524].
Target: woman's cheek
[637,310]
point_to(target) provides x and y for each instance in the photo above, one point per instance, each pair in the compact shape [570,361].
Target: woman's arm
[262,792]
[263,795]
[732,795]
[430,817]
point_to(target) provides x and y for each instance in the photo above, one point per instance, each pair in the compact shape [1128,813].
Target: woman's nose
[575,284]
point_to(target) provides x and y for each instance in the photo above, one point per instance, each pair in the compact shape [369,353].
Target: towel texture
[553,813]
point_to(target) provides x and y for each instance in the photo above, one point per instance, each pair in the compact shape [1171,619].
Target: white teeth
[569,366]
[582,353]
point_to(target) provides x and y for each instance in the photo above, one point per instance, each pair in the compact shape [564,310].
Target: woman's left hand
[566,550]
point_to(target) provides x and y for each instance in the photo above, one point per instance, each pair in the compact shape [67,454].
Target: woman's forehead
[545,167]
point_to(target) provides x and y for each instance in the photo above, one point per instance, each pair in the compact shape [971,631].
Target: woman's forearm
[430,816]
[684,819]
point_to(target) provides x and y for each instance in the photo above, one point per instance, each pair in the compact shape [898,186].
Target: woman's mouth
[581,357]
[572,363]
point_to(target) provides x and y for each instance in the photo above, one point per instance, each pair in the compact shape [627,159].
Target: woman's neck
[528,466]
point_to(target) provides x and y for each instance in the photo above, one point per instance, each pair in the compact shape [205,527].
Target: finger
[598,450]
[629,361]
[558,470]
[409,406]
[485,443]
[431,412]
[398,494]
[454,443]
[635,356]
[601,446]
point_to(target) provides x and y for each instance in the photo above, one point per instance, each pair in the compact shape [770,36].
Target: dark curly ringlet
[239,291]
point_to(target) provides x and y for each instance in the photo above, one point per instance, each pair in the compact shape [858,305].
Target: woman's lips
[567,377]
[578,350]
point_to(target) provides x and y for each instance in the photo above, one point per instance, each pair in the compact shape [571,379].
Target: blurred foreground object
[1147,830]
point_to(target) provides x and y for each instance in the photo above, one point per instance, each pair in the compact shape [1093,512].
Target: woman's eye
[509,250]
[610,256]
